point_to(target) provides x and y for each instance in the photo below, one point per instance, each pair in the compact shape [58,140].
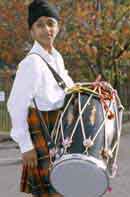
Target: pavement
[10,167]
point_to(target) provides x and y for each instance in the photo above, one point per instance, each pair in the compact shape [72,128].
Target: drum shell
[91,123]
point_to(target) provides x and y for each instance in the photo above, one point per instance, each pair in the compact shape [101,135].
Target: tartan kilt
[36,181]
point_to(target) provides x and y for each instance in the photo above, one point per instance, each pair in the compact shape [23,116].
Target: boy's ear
[32,34]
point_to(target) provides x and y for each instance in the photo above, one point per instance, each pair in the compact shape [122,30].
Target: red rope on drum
[109,189]
[106,93]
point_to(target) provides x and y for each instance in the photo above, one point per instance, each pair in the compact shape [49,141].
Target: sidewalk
[4,136]
[126,128]
[9,150]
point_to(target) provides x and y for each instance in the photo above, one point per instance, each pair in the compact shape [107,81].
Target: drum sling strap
[63,85]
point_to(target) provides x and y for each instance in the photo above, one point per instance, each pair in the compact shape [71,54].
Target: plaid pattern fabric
[36,181]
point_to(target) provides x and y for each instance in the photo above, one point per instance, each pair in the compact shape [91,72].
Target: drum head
[76,177]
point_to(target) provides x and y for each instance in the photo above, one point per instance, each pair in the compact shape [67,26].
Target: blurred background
[94,39]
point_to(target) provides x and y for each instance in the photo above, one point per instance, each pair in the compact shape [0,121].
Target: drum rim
[75,156]
[95,95]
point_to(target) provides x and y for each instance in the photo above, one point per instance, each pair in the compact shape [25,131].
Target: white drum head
[76,177]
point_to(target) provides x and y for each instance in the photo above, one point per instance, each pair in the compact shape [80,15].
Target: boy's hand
[30,159]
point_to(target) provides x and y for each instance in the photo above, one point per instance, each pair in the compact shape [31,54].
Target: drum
[87,135]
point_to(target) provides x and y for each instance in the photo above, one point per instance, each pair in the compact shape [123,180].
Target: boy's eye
[40,25]
[50,23]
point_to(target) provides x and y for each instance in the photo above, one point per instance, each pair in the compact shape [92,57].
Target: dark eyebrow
[40,21]
[51,20]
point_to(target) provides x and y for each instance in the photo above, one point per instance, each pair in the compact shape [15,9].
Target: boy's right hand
[30,159]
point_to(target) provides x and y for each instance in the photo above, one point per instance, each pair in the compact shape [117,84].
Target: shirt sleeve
[24,89]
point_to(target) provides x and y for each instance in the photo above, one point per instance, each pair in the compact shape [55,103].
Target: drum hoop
[77,156]
[81,89]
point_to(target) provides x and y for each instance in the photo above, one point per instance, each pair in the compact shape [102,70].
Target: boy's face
[44,30]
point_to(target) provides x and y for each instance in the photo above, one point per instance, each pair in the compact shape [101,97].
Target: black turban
[40,8]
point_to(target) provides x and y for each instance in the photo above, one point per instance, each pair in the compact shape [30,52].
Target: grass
[5,124]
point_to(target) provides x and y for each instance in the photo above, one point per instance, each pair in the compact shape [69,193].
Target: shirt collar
[37,48]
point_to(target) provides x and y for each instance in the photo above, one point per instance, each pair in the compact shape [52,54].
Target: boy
[35,80]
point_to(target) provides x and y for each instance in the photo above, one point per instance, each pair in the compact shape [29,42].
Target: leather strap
[57,77]
[45,129]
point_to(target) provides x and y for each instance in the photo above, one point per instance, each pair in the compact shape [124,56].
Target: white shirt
[34,79]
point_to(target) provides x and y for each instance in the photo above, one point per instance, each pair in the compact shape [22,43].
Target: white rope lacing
[60,121]
[80,115]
